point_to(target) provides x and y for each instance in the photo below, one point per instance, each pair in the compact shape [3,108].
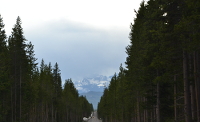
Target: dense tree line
[30,93]
[161,80]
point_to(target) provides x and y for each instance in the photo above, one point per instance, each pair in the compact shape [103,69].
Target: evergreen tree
[30,93]
[4,74]
[161,79]
[18,66]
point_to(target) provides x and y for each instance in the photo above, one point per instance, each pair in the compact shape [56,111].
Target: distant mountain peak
[92,83]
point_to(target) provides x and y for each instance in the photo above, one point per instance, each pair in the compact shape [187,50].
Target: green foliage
[30,93]
[153,79]
[4,74]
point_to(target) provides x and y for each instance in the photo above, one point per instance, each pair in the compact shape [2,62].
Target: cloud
[79,49]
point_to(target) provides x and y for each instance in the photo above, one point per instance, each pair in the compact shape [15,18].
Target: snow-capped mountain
[92,87]
[94,83]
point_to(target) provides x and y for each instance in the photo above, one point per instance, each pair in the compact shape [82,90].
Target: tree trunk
[144,111]
[175,98]
[193,102]
[68,115]
[158,101]
[20,97]
[138,108]
[11,103]
[192,88]
[52,112]
[197,84]
[55,115]
[15,101]
[187,100]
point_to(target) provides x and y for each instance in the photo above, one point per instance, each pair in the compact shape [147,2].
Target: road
[95,118]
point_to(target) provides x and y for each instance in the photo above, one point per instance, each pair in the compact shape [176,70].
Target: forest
[32,93]
[161,78]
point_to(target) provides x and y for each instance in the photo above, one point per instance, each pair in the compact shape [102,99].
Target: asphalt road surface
[95,118]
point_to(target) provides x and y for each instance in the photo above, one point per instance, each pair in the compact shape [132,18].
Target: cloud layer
[80,50]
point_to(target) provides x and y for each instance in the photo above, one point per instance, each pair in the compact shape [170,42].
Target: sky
[84,37]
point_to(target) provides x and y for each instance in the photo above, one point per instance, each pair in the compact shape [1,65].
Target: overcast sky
[84,37]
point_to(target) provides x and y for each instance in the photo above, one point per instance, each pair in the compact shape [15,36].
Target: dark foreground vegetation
[29,93]
[161,81]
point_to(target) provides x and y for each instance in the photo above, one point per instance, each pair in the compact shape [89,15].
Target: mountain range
[95,83]
[92,87]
